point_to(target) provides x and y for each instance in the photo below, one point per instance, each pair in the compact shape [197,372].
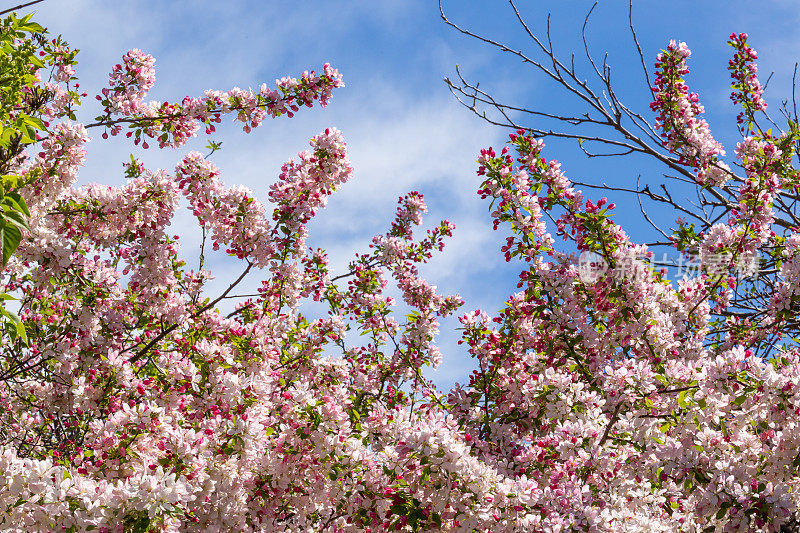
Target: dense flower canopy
[130,402]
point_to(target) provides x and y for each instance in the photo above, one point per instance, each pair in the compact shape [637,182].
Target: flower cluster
[304,187]
[130,82]
[234,216]
[684,131]
[748,91]
[55,167]
[172,124]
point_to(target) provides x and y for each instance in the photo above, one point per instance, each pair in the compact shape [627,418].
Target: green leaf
[28,135]
[21,333]
[34,122]
[11,237]
[16,218]
[141,525]
[701,477]
[682,398]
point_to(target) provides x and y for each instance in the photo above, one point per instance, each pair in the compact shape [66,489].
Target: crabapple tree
[617,402]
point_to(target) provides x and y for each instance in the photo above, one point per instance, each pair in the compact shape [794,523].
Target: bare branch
[15,8]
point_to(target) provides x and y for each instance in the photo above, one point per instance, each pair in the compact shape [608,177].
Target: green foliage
[138,522]
[24,50]
[20,40]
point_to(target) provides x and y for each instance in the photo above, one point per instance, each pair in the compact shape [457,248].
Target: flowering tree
[692,178]
[129,402]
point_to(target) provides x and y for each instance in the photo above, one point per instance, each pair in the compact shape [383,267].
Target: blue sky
[404,129]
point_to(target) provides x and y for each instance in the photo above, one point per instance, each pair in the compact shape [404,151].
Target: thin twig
[9,10]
